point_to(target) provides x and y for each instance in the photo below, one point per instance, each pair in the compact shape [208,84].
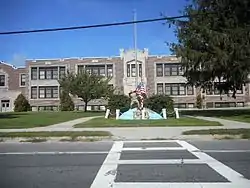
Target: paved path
[126,164]
[130,133]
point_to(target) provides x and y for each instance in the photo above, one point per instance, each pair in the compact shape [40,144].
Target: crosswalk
[164,164]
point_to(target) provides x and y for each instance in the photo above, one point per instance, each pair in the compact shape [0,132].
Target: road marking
[172,185]
[226,151]
[162,161]
[107,173]
[148,141]
[54,153]
[236,178]
[152,148]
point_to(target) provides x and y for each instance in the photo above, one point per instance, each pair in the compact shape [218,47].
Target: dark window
[48,73]
[190,90]
[172,69]
[140,70]
[128,70]
[159,70]
[2,80]
[33,92]
[22,79]
[48,92]
[175,89]
[95,69]
[180,105]
[109,70]
[62,72]
[33,73]
[133,70]
[159,88]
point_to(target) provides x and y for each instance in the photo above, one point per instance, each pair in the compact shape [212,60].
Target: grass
[242,115]
[72,134]
[184,121]
[14,120]
[244,133]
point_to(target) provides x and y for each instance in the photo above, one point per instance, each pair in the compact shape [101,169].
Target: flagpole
[135,48]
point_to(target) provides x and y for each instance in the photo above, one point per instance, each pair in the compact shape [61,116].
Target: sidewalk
[130,133]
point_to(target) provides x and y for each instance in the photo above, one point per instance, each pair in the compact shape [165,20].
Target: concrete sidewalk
[127,133]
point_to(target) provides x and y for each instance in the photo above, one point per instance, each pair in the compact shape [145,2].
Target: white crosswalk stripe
[107,174]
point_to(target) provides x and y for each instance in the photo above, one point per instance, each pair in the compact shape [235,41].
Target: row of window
[131,70]
[44,92]
[101,70]
[47,73]
[166,69]
[212,90]
[174,89]
[22,80]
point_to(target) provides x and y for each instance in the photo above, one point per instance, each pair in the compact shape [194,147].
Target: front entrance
[5,105]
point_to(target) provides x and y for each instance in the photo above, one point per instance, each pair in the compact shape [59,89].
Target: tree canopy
[214,44]
[86,86]
[21,104]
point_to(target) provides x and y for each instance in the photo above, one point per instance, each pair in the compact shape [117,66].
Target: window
[62,72]
[48,73]
[172,69]
[102,71]
[159,70]
[159,88]
[22,79]
[240,104]
[33,92]
[41,92]
[180,105]
[128,70]
[33,73]
[190,90]
[140,70]
[216,90]
[48,92]
[210,105]
[209,90]
[47,108]
[109,70]
[190,105]
[133,70]
[175,89]
[94,69]
[80,68]
[2,80]
[224,104]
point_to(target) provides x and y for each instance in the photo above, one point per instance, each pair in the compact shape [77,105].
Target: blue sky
[39,14]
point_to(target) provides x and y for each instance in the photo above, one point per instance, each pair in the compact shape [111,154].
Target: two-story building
[12,83]
[160,74]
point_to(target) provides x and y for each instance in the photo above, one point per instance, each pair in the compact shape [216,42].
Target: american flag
[140,89]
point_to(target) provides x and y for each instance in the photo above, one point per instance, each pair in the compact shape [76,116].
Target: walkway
[130,133]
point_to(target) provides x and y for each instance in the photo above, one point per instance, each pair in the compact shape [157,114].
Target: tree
[158,102]
[121,102]
[86,86]
[199,101]
[214,44]
[21,104]
[66,102]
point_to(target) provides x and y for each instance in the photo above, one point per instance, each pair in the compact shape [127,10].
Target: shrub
[21,104]
[121,102]
[158,102]
[66,102]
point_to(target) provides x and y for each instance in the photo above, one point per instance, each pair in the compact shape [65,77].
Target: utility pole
[135,48]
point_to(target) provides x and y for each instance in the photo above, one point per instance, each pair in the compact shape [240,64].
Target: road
[142,164]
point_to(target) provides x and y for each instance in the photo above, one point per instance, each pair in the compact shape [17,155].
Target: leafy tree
[158,102]
[214,43]
[121,102]
[66,102]
[21,104]
[86,86]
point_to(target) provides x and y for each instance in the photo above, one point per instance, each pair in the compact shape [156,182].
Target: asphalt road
[126,164]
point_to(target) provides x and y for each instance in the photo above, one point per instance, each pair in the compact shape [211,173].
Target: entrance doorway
[5,105]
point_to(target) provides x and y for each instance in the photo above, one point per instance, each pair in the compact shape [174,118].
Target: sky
[40,14]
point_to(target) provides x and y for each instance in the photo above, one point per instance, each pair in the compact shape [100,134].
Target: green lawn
[54,134]
[245,133]
[39,119]
[242,115]
[184,121]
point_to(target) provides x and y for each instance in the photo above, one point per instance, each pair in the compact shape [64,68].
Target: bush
[121,102]
[158,102]
[21,104]
[66,102]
